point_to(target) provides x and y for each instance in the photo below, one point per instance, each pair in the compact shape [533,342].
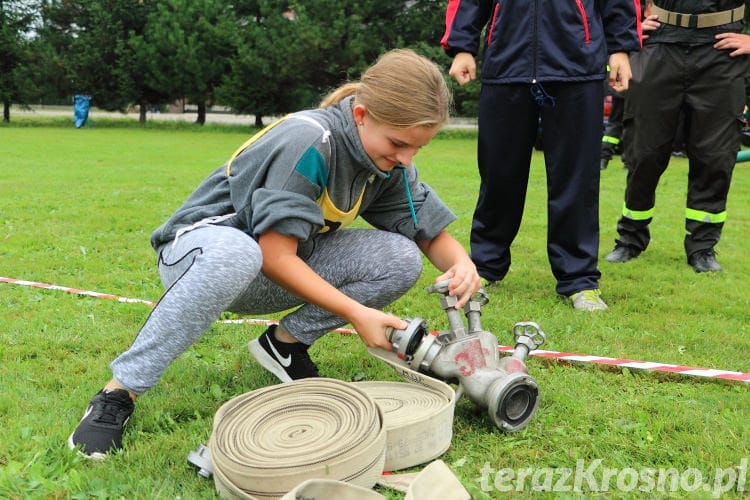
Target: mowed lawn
[77,208]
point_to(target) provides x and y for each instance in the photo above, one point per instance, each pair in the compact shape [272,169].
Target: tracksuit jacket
[542,40]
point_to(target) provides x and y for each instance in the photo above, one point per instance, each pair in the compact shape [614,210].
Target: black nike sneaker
[285,360]
[100,430]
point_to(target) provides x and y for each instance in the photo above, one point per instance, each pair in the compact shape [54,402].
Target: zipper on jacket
[536,41]
[584,21]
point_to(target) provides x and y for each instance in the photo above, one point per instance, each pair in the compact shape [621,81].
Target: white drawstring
[203,222]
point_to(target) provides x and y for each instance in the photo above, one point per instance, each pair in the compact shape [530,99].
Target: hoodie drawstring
[408,197]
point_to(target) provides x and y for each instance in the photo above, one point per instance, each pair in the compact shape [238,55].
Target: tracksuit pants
[509,116]
[708,87]
[213,269]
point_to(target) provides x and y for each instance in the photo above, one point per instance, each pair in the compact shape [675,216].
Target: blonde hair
[402,89]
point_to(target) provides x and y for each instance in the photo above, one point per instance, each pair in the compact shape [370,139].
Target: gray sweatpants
[213,269]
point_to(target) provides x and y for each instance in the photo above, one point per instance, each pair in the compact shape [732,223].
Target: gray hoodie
[307,174]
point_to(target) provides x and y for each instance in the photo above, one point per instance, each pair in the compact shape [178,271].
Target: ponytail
[402,90]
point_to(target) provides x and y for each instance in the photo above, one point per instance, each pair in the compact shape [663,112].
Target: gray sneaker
[588,300]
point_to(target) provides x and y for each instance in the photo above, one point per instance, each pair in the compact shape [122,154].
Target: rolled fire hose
[266,442]
[418,416]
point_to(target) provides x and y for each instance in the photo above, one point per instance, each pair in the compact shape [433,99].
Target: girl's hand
[371,325]
[447,254]
[464,281]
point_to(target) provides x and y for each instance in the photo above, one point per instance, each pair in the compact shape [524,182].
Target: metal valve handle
[482,297]
[528,337]
[504,386]
[529,333]
[439,287]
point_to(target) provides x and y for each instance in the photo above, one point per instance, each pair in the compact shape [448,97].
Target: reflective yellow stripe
[701,216]
[610,139]
[636,214]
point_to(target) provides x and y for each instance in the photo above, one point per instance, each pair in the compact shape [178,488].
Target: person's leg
[572,137]
[612,137]
[372,267]
[652,109]
[716,99]
[508,122]
[203,272]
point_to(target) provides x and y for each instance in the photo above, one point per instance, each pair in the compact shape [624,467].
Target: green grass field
[77,208]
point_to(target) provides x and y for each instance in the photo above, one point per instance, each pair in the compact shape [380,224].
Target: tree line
[259,57]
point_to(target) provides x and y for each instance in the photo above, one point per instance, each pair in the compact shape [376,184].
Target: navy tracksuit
[543,60]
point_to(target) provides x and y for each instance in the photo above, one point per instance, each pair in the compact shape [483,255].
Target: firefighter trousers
[707,85]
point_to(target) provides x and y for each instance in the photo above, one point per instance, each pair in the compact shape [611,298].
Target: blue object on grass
[81,109]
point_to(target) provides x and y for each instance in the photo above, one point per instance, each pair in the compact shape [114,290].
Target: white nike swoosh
[88,410]
[285,362]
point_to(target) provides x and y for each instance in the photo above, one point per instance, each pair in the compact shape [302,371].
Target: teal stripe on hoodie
[313,167]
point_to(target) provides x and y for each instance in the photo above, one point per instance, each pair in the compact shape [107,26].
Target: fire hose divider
[267,441]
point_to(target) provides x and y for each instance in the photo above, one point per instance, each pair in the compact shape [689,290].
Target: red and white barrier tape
[639,365]
[89,293]
[129,300]
[562,356]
